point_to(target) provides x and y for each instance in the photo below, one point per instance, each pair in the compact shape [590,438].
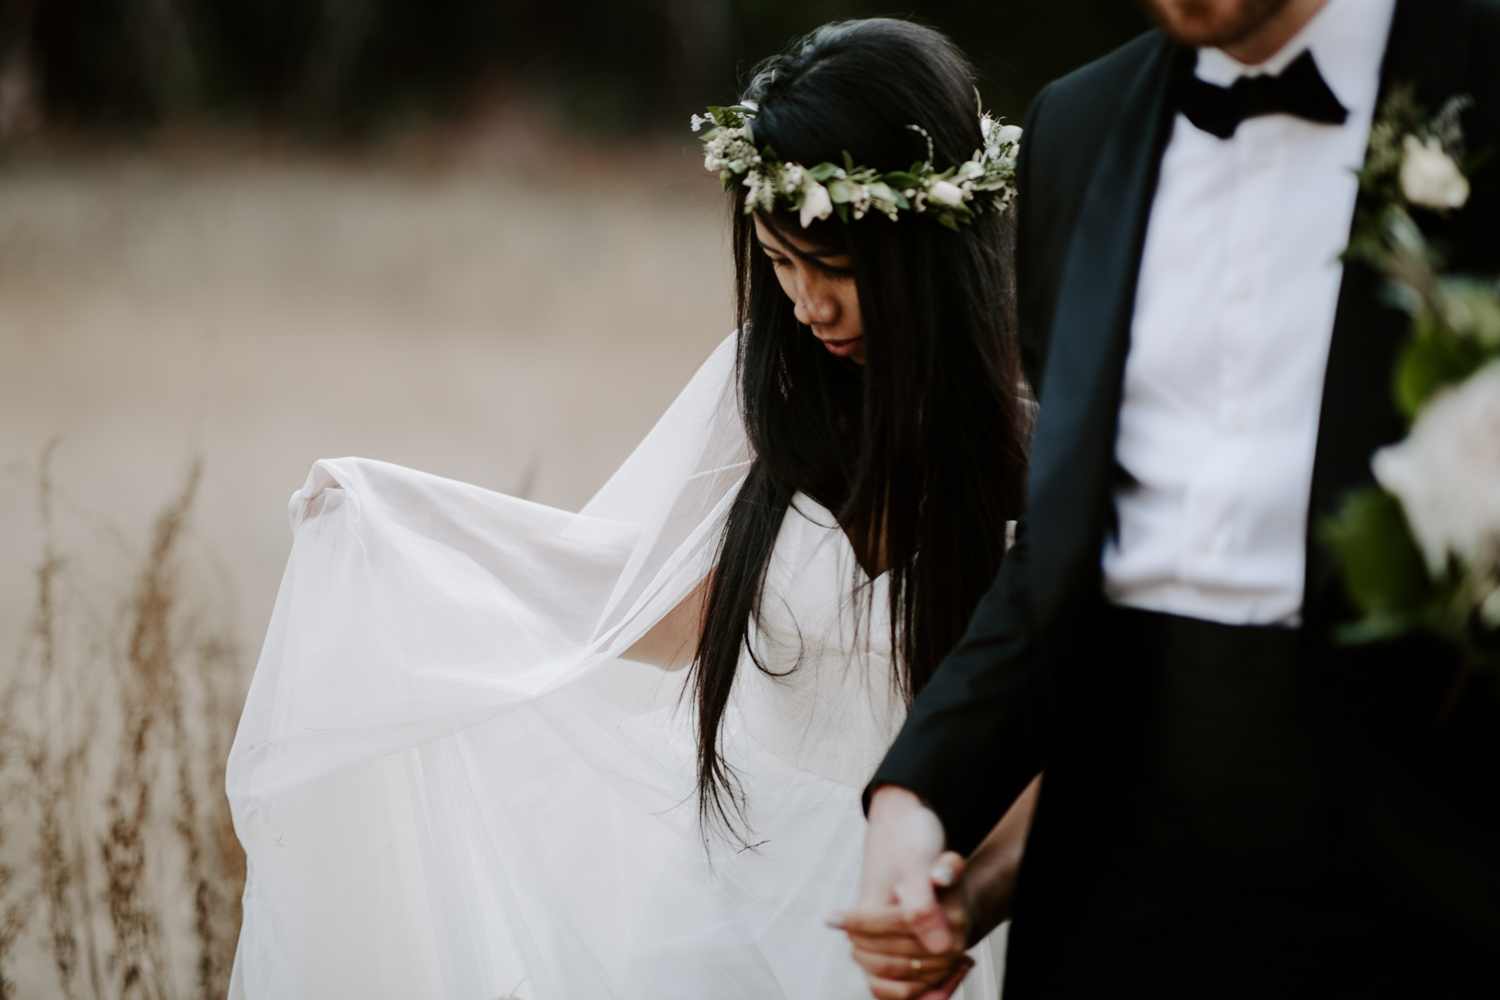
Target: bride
[497,750]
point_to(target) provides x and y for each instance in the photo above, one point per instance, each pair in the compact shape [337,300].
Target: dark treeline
[356,65]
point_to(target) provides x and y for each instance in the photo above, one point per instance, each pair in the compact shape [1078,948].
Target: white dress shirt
[1234,312]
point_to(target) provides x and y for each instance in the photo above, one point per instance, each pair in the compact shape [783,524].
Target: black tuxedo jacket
[1421,796]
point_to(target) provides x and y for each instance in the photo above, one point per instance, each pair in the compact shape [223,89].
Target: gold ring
[916,965]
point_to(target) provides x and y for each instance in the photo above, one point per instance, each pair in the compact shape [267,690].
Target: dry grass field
[181,335]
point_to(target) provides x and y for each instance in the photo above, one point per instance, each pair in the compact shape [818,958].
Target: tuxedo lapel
[1073,453]
[1426,49]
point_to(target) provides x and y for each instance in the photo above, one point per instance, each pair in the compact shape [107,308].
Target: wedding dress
[449,784]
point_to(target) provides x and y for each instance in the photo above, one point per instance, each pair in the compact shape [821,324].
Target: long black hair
[921,452]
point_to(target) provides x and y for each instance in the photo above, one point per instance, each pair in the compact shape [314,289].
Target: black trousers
[1188,843]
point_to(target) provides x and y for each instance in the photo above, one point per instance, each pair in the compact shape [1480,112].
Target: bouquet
[1420,552]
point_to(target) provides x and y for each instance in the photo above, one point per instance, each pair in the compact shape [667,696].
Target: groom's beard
[1212,23]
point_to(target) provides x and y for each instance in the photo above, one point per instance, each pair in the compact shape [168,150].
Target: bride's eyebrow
[816,253]
[819,255]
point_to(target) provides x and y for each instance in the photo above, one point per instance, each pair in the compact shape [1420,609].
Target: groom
[1232,805]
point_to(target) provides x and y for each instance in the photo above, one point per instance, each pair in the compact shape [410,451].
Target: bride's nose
[814,306]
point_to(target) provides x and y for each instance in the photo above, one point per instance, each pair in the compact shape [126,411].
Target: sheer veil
[504,600]
[414,608]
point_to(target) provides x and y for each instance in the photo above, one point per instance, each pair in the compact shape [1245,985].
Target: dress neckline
[800,501]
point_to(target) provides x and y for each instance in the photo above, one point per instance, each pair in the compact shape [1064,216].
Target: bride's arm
[673,641]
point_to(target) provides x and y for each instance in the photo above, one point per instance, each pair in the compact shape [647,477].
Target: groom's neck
[1265,41]
[1251,31]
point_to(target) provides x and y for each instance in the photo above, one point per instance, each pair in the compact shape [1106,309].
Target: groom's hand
[902,843]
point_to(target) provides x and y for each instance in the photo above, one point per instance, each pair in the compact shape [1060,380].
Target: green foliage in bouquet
[1421,551]
[1383,569]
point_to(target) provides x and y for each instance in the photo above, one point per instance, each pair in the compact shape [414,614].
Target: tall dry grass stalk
[121,874]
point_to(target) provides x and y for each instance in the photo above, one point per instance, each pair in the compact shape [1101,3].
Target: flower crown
[954,197]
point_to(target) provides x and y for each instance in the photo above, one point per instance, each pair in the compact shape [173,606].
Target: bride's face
[821,286]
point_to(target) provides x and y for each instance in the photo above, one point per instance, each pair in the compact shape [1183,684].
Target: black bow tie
[1298,90]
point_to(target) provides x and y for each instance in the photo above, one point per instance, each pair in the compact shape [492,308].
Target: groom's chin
[1211,23]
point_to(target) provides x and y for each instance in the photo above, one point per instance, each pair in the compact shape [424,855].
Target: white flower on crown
[762,192]
[816,203]
[997,136]
[1447,472]
[1429,177]
[793,178]
[968,170]
[730,150]
[945,193]
[861,200]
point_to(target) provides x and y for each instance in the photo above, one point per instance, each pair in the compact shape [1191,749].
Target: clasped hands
[921,907]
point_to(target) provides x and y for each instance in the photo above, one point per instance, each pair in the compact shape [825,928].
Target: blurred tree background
[354,68]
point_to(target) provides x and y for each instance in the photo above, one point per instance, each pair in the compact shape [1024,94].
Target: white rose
[1429,176]
[1447,472]
[1489,611]
[946,194]
[816,204]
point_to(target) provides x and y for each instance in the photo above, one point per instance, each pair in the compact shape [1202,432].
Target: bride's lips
[843,348]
